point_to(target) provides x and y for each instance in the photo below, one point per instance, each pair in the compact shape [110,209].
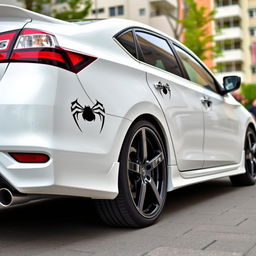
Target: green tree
[249,92]
[196,34]
[74,10]
[34,5]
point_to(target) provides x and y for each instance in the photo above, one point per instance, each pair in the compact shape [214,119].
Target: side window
[157,52]
[196,72]
[127,41]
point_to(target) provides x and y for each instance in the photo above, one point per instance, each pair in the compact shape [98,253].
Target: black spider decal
[88,113]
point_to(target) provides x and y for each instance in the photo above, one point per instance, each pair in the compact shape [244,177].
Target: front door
[222,143]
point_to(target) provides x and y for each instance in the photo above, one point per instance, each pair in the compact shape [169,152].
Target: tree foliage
[196,31]
[34,5]
[74,10]
[249,92]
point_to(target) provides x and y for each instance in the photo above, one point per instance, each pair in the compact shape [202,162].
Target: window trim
[171,44]
[138,50]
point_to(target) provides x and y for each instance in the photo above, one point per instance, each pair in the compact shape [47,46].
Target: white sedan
[113,110]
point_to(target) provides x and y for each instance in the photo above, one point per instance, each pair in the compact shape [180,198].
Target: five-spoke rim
[147,172]
[250,153]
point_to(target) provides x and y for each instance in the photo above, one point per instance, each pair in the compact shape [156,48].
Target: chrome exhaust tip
[6,197]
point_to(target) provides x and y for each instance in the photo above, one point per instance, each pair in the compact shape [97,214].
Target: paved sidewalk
[209,219]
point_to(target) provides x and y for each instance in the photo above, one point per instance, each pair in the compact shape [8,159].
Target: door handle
[165,87]
[206,101]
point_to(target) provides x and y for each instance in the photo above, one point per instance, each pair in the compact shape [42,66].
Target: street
[206,219]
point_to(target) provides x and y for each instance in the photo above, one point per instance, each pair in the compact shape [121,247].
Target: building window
[220,3]
[252,12]
[116,10]
[230,67]
[120,10]
[229,44]
[100,10]
[254,69]
[112,11]
[253,31]
[231,22]
[237,44]
[142,11]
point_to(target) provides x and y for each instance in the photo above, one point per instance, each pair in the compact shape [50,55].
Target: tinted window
[157,52]
[127,41]
[195,71]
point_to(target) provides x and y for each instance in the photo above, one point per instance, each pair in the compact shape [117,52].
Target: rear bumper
[60,177]
[35,116]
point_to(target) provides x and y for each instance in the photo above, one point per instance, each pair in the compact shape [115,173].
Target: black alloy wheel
[142,180]
[249,177]
[145,164]
[250,153]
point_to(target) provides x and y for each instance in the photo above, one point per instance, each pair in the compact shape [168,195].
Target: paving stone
[63,252]
[211,219]
[252,251]
[233,246]
[247,228]
[168,251]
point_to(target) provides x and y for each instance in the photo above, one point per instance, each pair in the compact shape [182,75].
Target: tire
[142,180]
[249,177]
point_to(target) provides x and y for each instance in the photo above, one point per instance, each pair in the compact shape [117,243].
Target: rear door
[179,99]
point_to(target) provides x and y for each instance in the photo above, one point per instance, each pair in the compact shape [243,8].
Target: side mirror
[231,83]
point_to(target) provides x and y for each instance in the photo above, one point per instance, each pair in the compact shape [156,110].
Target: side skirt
[177,179]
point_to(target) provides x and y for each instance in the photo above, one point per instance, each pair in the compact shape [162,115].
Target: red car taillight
[35,46]
[6,43]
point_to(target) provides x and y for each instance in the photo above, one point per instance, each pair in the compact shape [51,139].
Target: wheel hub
[143,172]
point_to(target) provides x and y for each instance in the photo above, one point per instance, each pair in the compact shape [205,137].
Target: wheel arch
[162,132]
[152,119]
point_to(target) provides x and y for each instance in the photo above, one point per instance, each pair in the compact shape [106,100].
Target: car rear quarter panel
[35,114]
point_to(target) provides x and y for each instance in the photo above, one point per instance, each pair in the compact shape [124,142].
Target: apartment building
[234,28]
[252,30]
[156,13]
[232,36]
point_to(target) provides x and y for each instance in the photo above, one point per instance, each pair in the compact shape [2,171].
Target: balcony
[228,11]
[230,56]
[229,33]
[165,5]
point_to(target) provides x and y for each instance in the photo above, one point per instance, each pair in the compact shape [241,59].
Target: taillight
[30,157]
[7,40]
[35,46]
